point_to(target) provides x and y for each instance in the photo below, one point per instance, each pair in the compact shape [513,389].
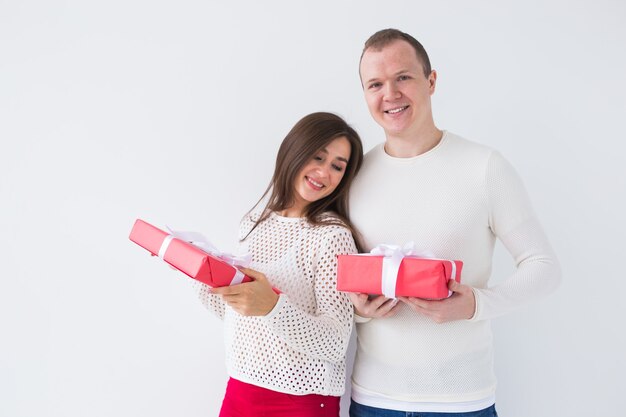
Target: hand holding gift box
[393,271]
[192,254]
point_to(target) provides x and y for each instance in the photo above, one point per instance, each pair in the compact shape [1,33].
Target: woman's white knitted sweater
[300,346]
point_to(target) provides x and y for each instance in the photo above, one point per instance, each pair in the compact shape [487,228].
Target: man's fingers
[388,305]
[373,306]
[455,286]
[357,298]
[393,309]
[416,302]
[379,300]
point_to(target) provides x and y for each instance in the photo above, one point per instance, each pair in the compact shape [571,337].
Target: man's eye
[403,78]
[374,85]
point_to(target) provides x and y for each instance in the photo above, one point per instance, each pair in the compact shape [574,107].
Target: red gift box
[416,277]
[185,256]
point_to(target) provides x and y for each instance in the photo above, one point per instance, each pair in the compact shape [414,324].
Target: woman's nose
[323,171]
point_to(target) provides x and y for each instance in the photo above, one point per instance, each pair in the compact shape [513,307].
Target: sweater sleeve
[212,302]
[512,220]
[326,333]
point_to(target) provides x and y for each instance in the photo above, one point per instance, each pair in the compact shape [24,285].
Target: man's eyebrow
[402,71]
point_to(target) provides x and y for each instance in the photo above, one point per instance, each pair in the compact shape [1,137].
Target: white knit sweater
[453,201]
[300,346]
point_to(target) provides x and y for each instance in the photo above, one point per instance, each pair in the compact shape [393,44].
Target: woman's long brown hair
[311,134]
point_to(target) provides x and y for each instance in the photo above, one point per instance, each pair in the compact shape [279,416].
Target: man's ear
[432,81]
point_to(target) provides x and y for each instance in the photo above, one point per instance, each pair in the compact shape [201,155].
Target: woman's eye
[337,168]
[317,158]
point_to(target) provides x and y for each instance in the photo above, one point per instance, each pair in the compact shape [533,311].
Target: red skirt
[247,400]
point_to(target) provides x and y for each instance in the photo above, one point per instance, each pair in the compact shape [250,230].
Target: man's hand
[255,298]
[377,307]
[459,306]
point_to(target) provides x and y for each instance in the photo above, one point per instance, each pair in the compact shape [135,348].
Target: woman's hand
[254,298]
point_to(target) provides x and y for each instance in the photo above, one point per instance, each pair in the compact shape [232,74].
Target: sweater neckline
[425,155]
[276,216]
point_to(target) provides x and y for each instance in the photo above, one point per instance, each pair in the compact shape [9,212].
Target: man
[451,197]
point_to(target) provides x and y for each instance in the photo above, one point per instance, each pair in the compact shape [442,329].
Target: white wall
[173,111]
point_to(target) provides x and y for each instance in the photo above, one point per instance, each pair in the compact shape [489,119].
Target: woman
[285,354]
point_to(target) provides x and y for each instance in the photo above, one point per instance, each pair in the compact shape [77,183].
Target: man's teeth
[398,110]
[317,184]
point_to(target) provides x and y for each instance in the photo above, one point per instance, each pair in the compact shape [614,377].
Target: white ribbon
[201,242]
[393,256]
[164,246]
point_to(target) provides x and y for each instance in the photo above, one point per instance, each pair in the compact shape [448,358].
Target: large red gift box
[185,256]
[416,277]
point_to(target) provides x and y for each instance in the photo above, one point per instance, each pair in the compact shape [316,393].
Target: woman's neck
[291,212]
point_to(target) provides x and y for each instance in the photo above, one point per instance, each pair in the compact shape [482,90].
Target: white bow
[393,255]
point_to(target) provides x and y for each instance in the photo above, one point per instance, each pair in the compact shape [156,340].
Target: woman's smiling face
[322,174]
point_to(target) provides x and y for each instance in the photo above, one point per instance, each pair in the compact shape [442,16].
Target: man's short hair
[384,37]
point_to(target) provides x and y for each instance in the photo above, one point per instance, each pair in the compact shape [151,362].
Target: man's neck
[413,145]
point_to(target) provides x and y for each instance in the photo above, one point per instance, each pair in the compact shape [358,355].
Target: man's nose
[391,91]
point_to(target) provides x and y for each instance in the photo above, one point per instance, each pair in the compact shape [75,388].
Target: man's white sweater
[453,201]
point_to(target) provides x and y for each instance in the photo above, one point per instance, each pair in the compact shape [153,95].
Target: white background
[172,111]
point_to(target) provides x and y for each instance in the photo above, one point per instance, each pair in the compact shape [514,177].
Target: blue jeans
[360,410]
